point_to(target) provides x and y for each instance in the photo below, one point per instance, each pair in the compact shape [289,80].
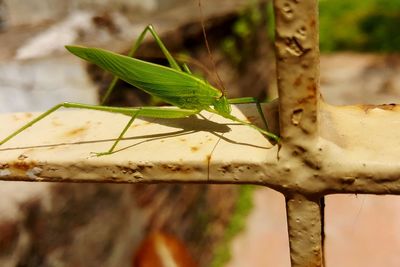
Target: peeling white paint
[5,172]
[32,173]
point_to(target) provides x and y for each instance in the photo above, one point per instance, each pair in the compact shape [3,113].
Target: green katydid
[175,85]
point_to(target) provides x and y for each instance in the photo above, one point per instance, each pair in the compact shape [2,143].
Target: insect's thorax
[222,106]
[199,97]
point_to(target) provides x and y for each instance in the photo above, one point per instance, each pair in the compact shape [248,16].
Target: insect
[175,85]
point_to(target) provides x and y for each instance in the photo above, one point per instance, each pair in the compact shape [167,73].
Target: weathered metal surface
[58,149]
[207,150]
[360,148]
[304,225]
[211,150]
[297,56]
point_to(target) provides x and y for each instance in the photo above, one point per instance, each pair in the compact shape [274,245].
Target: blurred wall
[23,12]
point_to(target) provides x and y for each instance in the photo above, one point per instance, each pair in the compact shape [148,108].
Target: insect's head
[222,105]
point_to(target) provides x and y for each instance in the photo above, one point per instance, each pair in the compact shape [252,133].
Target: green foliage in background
[362,25]
[358,25]
[238,45]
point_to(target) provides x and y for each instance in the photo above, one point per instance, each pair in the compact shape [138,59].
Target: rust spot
[297,82]
[76,131]
[127,170]
[4,166]
[182,139]
[312,23]
[176,168]
[135,172]
[194,148]
[308,99]
[311,97]
[226,169]
[28,115]
[367,108]
[24,166]
[22,157]
[348,180]
[312,88]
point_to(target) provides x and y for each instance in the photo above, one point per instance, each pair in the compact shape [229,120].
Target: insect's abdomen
[189,98]
[174,87]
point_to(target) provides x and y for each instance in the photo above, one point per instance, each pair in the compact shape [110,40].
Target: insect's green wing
[174,87]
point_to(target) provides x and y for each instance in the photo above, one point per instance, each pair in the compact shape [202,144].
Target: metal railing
[324,149]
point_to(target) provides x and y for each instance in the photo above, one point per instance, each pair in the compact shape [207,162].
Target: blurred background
[205,225]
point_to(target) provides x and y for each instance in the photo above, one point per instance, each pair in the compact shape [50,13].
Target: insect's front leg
[273,137]
[245,100]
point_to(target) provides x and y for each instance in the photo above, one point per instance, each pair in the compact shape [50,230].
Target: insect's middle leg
[111,150]
[244,100]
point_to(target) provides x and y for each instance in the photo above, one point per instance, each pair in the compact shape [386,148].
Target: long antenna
[219,81]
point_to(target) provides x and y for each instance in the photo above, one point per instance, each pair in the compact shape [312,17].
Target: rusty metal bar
[305,236]
[297,54]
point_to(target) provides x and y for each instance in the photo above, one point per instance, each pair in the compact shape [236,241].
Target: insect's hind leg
[152,112]
[172,62]
[244,100]
[29,124]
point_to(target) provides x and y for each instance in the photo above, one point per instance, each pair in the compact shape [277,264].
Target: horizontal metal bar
[356,152]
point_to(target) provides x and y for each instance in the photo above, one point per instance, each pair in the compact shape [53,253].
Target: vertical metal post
[305,231]
[297,54]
